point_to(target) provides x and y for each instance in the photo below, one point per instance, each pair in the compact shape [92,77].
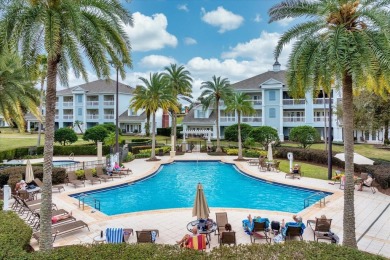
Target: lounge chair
[101,175]
[146,236]
[198,242]
[59,222]
[228,238]
[293,229]
[263,165]
[221,219]
[64,229]
[53,187]
[126,234]
[73,180]
[321,228]
[121,172]
[275,167]
[89,177]
[294,174]
[260,230]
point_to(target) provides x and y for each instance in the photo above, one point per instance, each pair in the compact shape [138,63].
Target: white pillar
[99,151]
[172,152]
[7,195]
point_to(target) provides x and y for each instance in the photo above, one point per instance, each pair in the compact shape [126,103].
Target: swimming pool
[64,163]
[174,186]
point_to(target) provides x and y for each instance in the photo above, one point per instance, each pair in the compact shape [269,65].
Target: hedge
[58,174]
[15,236]
[254,153]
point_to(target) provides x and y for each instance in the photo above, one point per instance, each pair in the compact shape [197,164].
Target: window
[201,114]
[272,113]
[79,98]
[80,111]
[272,95]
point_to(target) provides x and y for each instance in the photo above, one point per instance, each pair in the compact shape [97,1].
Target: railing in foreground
[95,202]
[306,202]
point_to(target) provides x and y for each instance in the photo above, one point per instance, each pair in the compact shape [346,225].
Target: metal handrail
[306,201]
[71,156]
[82,201]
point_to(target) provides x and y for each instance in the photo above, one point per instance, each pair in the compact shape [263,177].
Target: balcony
[321,101]
[56,117]
[109,103]
[67,104]
[92,103]
[109,116]
[68,117]
[255,102]
[251,119]
[294,101]
[225,119]
[92,116]
[319,119]
[300,119]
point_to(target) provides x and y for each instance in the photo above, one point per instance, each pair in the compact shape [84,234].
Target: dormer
[276,66]
[201,113]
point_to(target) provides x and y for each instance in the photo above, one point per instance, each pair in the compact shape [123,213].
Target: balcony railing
[225,119]
[255,102]
[93,103]
[68,117]
[321,101]
[293,101]
[109,103]
[109,116]
[67,104]
[92,116]
[248,119]
[294,119]
[319,119]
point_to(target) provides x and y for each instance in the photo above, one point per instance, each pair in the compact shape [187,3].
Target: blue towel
[293,224]
[154,234]
[260,220]
[114,235]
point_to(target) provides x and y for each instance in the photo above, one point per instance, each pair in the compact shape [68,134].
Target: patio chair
[89,177]
[321,228]
[73,180]
[222,219]
[59,222]
[275,167]
[64,229]
[228,238]
[198,242]
[337,177]
[263,165]
[260,228]
[101,175]
[292,230]
[53,187]
[295,172]
[146,236]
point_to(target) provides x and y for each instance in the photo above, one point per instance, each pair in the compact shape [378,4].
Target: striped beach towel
[197,242]
[114,235]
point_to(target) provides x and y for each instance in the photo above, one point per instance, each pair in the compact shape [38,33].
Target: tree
[214,91]
[68,32]
[231,132]
[65,135]
[111,139]
[346,41]
[110,127]
[17,93]
[264,135]
[78,123]
[96,134]
[305,135]
[179,83]
[154,94]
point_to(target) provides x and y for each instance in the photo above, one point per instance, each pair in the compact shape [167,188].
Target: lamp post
[330,138]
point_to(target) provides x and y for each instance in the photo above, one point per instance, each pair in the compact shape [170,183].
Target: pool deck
[172,222]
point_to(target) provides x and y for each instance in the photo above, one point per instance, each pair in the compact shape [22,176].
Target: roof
[100,86]
[255,82]
[190,117]
[125,118]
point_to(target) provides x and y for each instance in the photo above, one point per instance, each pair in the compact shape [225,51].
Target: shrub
[232,151]
[231,132]
[137,149]
[110,127]
[305,135]
[65,135]
[164,148]
[249,142]
[264,135]
[96,134]
[164,131]
[139,140]
[129,157]
[78,150]
[80,174]
[142,155]
[16,153]
[254,153]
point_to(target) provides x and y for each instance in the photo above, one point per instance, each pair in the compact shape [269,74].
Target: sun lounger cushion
[114,235]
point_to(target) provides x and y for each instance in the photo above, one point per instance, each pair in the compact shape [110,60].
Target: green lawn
[308,170]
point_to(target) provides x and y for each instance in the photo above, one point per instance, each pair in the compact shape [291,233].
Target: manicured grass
[308,170]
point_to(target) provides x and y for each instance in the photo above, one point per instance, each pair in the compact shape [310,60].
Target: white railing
[319,119]
[247,119]
[92,103]
[227,119]
[67,104]
[294,119]
[293,101]
[108,116]
[68,117]
[255,102]
[92,116]
[108,103]
[56,117]
[320,101]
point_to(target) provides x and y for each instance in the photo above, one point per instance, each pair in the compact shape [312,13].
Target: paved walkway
[171,223]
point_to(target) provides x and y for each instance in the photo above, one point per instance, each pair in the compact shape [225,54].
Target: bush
[78,150]
[136,149]
[231,132]
[110,127]
[96,134]
[80,174]
[15,236]
[142,155]
[129,157]
[264,135]
[139,140]
[164,148]
[16,153]
[254,153]
[164,131]
[65,135]
[305,135]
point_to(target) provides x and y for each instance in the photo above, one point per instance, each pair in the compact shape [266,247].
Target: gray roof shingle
[100,86]
[255,82]
[125,118]
[190,117]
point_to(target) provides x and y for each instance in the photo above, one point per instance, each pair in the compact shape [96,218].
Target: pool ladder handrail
[71,156]
[306,201]
[82,201]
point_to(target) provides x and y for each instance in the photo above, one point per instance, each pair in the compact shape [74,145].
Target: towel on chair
[114,235]
[197,242]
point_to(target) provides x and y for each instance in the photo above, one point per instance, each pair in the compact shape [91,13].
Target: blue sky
[227,38]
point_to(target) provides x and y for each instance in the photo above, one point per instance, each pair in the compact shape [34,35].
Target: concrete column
[100,151]
[172,152]
[7,195]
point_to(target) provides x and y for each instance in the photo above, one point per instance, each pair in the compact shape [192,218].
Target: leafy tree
[231,132]
[214,91]
[69,32]
[111,128]
[343,41]
[264,135]
[305,135]
[65,135]
[78,123]
[179,83]
[249,142]
[96,134]
[152,96]
[111,139]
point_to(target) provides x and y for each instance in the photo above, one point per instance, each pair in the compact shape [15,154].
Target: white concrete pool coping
[172,222]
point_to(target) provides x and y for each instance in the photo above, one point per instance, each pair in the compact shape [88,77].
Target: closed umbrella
[270,155]
[29,172]
[357,159]
[201,209]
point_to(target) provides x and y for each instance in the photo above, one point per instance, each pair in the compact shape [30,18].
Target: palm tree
[214,91]
[152,96]
[68,32]
[17,92]
[179,83]
[240,103]
[346,40]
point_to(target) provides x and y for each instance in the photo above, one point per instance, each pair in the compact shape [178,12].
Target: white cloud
[286,21]
[258,18]
[190,41]
[156,61]
[223,19]
[150,33]
[183,7]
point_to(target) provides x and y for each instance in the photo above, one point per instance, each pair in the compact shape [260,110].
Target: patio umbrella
[270,155]
[29,172]
[201,209]
[357,159]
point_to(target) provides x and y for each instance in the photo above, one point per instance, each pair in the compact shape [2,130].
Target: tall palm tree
[239,102]
[214,91]
[179,82]
[345,39]
[68,32]
[151,96]
[17,92]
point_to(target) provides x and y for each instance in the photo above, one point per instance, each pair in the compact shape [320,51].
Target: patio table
[207,232]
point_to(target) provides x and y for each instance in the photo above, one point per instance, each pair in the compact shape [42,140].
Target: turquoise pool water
[174,186]
[64,163]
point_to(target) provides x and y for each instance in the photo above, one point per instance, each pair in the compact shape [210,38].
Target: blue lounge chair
[293,229]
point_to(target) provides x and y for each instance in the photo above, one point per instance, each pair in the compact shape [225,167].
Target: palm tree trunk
[40,111]
[45,242]
[174,128]
[147,126]
[386,133]
[153,154]
[239,138]
[349,235]
[218,150]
